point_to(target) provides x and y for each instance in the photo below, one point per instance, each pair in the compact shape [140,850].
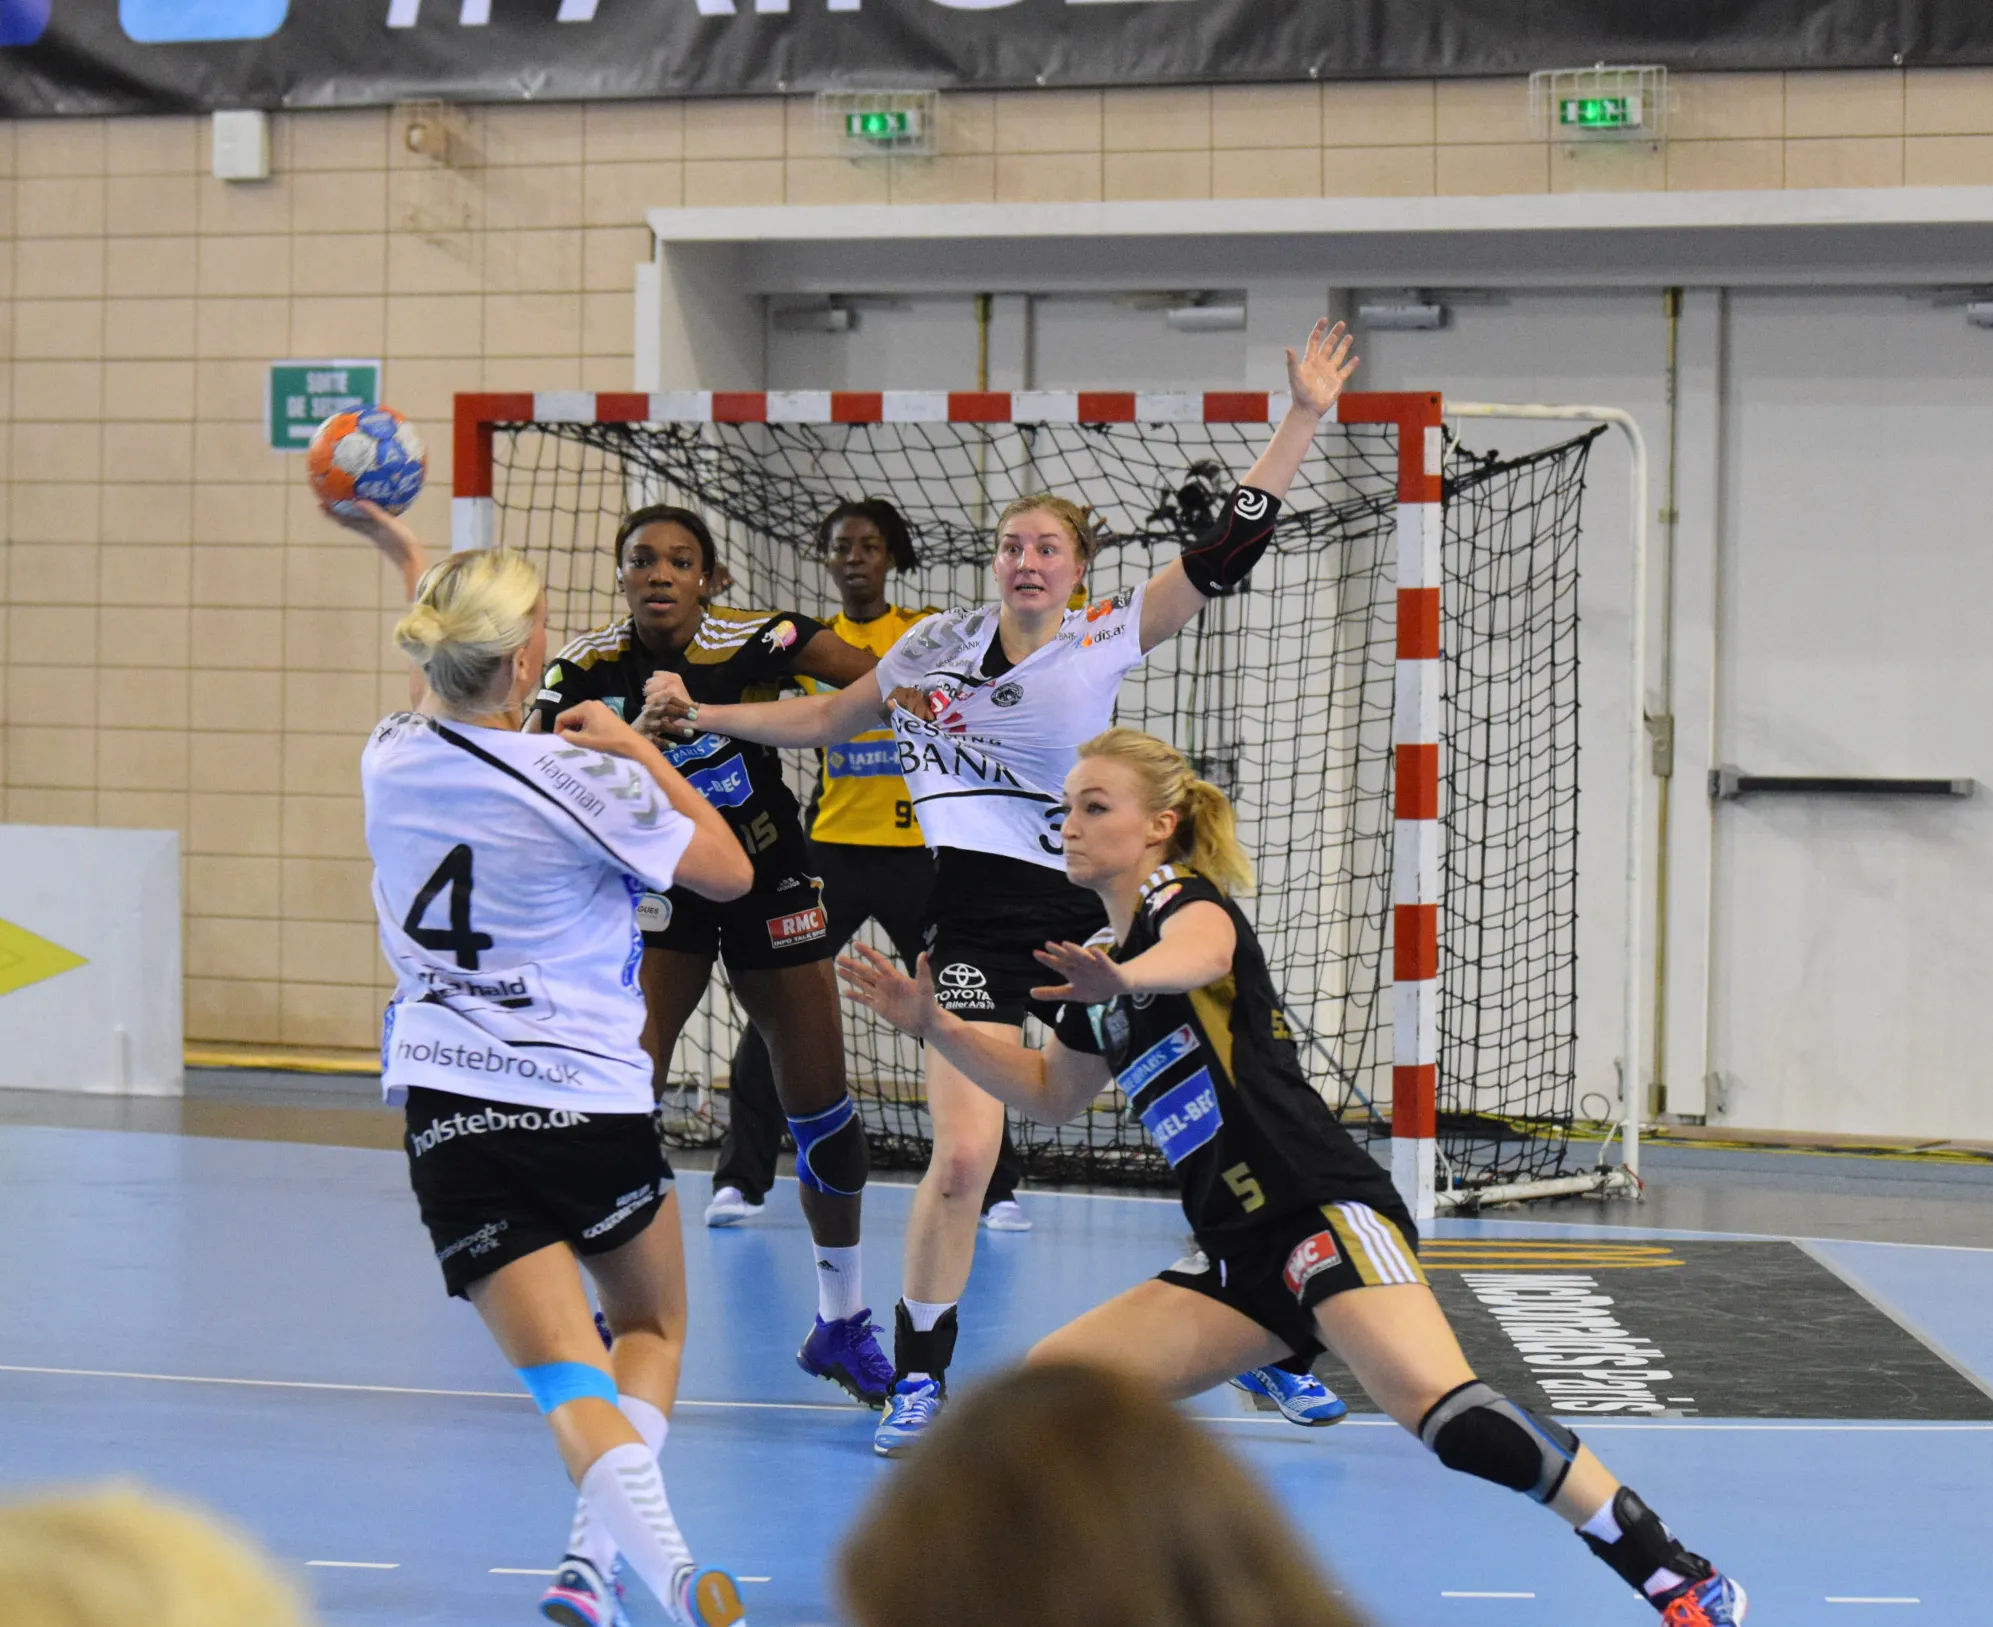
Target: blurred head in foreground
[1071,1497]
[122,1557]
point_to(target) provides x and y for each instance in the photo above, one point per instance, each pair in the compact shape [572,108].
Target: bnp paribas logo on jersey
[26,957]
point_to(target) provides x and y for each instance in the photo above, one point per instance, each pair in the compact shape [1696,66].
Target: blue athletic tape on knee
[1224,556]
[1481,1432]
[831,1155]
[555,1383]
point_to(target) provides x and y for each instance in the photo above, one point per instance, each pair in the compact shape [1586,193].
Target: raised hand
[669,710]
[880,986]
[1092,976]
[1316,377]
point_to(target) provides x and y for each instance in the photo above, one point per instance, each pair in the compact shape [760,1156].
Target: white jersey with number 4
[506,873]
[989,772]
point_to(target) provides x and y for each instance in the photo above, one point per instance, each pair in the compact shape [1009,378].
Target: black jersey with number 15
[1214,1077]
[735,655]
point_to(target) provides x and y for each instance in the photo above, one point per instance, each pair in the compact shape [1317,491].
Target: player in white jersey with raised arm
[992,704]
[506,873]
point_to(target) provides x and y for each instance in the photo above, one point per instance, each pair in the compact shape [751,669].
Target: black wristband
[1224,556]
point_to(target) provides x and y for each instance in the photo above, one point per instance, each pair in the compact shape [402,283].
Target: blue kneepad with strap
[831,1155]
[555,1383]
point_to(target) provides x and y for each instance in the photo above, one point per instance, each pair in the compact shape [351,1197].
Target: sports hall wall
[188,645]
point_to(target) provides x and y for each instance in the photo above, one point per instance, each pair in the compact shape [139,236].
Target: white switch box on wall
[242,146]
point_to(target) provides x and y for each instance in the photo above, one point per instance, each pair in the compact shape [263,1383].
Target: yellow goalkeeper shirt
[861,799]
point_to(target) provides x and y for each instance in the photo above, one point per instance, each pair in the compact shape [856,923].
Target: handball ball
[375,454]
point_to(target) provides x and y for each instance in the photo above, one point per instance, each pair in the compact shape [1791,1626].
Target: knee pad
[556,1383]
[831,1155]
[1481,1432]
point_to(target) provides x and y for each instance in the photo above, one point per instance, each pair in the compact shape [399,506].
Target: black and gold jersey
[736,655]
[1215,1079]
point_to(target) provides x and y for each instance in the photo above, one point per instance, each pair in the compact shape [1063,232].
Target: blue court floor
[258,1325]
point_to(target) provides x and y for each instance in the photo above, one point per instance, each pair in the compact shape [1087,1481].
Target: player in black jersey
[1303,1242]
[775,941]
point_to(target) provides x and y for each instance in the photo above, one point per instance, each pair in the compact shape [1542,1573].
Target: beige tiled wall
[187,643]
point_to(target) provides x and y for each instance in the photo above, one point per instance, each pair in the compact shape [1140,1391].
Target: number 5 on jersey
[459,937]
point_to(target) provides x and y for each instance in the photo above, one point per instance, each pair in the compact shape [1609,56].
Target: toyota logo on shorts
[960,975]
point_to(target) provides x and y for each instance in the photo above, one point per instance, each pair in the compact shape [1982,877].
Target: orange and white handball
[373,455]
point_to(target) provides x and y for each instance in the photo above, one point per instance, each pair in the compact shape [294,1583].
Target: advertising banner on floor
[157,56]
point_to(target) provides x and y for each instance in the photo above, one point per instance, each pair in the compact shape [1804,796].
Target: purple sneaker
[848,1354]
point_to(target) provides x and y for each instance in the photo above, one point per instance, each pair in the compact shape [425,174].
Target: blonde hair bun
[471,613]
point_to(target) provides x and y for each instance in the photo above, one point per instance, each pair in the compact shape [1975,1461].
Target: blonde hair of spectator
[123,1557]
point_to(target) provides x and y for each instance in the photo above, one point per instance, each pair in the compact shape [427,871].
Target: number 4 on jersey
[455,873]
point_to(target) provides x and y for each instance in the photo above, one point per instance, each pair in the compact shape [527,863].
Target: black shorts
[779,922]
[986,917]
[1290,1265]
[496,1182]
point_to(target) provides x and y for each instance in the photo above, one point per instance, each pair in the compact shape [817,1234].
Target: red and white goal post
[1418,769]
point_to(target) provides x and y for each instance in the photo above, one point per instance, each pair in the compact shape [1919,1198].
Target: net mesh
[1282,694]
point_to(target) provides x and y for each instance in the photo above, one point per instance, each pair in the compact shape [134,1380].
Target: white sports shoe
[730,1208]
[1007,1216]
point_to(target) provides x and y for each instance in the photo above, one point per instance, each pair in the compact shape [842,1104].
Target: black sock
[1646,1548]
[928,1352]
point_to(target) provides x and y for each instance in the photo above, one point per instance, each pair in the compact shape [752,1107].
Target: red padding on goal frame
[740,407]
[1418,624]
[1417,784]
[470,467]
[1415,1101]
[1235,406]
[1414,412]
[1107,406]
[621,407]
[1414,942]
[857,406]
[978,406]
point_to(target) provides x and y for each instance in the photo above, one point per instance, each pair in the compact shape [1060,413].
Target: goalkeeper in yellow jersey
[867,846]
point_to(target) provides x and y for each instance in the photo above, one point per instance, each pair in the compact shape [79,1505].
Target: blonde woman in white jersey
[991,705]
[506,873]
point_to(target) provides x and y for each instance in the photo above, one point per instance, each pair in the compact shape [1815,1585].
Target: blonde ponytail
[472,611]
[1207,831]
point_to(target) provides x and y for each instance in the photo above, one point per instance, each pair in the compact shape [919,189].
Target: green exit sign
[302,395]
[882,124]
[1599,112]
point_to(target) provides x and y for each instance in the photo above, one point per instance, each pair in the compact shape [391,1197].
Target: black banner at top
[154,56]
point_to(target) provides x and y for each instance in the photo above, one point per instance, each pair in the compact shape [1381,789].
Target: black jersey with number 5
[736,655]
[1215,1079]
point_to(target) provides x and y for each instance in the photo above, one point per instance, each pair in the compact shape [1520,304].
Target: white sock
[924,1313]
[625,1494]
[1606,1528]
[588,1539]
[1602,1524]
[840,1283]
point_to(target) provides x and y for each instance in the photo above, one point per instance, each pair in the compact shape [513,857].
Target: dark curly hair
[891,522]
[668,514]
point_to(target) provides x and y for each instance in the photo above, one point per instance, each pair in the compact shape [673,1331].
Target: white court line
[1832,1599]
[754,1578]
[1446,1595]
[1777,1426]
[505,1570]
[353,1565]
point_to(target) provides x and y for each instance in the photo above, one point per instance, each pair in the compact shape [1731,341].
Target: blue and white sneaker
[581,1597]
[710,1598]
[910,1408]
[1714,1602]
[848,1354]
[1301,1397]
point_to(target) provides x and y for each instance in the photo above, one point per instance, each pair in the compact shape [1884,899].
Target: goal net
[1287,694]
